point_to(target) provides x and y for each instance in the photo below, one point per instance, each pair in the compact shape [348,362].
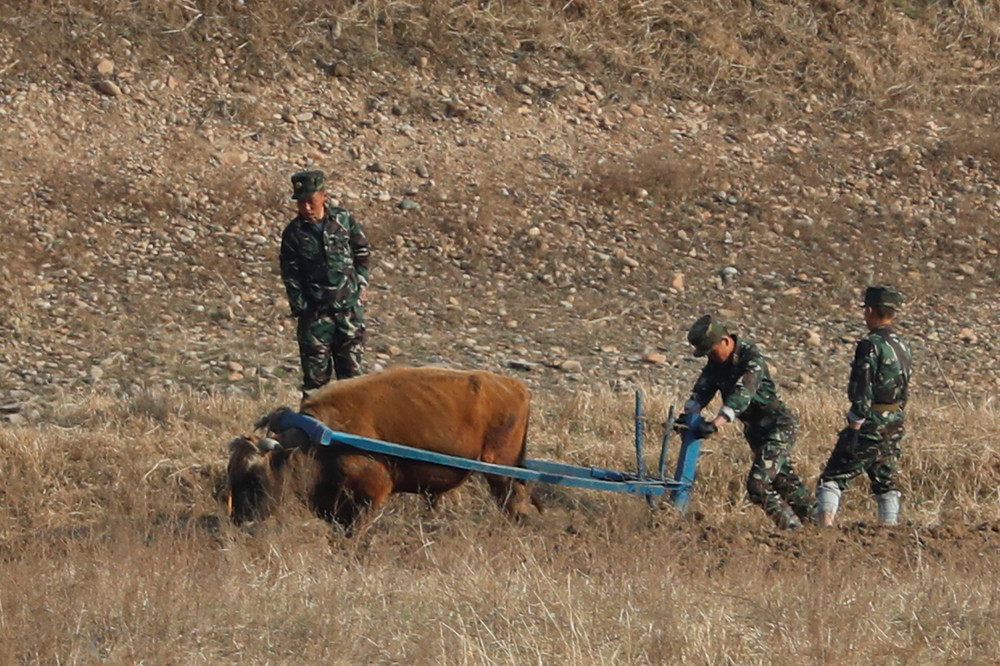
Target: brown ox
[472,414]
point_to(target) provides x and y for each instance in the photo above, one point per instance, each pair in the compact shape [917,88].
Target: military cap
[705,333]
[306,183]
[881,295]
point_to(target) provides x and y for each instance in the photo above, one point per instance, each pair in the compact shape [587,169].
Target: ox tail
[533,494]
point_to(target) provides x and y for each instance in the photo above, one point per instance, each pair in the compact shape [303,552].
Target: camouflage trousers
[875,452]
[330,344]
[772,482]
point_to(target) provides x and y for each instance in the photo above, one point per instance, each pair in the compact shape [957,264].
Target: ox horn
[268,444]
[270,420]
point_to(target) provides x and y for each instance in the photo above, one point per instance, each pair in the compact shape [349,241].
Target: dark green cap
[705,333]
[881,295]
[306,183]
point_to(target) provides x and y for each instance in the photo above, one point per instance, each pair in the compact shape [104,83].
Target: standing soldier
[324,265]
[737,369]
[880,373]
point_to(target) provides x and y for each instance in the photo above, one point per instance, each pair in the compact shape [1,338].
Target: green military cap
[306,183]
[705,333]
[882,295]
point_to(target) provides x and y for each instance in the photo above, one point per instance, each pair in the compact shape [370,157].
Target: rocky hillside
[555,191]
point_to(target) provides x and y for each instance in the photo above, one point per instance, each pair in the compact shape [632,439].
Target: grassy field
[592,168]
[116,549]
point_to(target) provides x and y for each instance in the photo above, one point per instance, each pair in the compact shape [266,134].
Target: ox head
[252,483]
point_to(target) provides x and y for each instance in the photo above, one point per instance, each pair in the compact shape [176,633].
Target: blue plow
[544,471]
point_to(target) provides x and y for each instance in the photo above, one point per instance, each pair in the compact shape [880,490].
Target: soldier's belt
[886,406]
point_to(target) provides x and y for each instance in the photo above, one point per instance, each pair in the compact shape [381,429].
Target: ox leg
[333,505]
[509,494]
[361,504]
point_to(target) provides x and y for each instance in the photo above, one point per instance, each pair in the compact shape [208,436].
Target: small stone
[728,273]
[813,339]
[455,109]
[109,88]
[96,372]
[408,204]
[520,364]
[636,110]
[654,357]
[422,171]
[968,335]
[677,282]
[233,157]
[570,365]
[105,67]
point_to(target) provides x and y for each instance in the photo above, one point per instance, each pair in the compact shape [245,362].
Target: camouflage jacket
[880,373]
[748,392]
[324,264]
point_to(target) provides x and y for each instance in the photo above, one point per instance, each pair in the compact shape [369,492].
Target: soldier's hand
[705,429]
[680,423]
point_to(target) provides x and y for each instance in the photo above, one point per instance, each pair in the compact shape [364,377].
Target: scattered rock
[109,88]
[654,357]
[570,365]
[519,364]
[232,157]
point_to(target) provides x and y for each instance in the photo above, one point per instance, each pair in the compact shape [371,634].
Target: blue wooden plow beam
[545,471]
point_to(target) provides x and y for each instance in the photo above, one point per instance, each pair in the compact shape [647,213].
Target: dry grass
[115,550]
[883,52]
[113,543]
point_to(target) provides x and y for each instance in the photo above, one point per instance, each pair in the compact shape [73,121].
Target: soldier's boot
[827,502]
[804,507]
[888,507]
[786,519]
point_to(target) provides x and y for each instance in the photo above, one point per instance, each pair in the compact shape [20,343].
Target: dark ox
[472,414]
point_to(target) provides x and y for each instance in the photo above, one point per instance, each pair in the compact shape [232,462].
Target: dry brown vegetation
[116,549]
[590,167]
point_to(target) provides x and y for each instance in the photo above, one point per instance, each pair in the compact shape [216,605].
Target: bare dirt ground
[555,192]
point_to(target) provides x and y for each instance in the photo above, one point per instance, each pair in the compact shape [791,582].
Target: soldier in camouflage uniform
[324,265]
[880,374]
[737,369]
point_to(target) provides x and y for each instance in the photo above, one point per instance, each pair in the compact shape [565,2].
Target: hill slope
[588,178]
